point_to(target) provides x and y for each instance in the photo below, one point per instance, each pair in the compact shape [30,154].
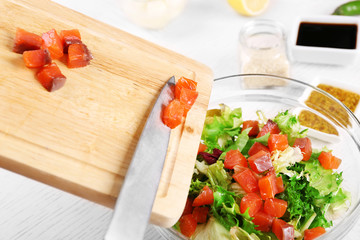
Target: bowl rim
[297,82]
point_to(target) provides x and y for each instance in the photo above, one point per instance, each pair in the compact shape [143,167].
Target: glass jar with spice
[263,50]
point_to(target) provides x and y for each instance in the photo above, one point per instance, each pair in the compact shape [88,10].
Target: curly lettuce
[226,210]
[221,126]
[289,124]
[218,176]
[212,230]
[283,159]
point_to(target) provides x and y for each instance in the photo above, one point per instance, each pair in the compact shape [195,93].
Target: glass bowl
[273,94]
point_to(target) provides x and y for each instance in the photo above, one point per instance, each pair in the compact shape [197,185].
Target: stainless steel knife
[134,204]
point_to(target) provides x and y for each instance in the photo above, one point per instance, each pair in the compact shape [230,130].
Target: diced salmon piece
[51,77]
[53,43]
[69,37]
[25,41]
[36,58]
[254,125]
[78,56]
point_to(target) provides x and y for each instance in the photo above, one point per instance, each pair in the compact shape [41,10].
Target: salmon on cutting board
[81,137]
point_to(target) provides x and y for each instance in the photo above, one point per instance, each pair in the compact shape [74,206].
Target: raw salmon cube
[36,58]
[69,37]
[78,56]
[51,77]
[25,41]
[53,43]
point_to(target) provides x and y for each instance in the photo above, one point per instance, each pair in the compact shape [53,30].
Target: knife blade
[134,204]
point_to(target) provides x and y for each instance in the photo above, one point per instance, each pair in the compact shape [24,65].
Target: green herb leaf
[302,202]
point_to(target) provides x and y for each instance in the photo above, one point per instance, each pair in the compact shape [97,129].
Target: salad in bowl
[261,179]
[260,174]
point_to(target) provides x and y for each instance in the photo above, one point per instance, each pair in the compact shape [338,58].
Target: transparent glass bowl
[272,94]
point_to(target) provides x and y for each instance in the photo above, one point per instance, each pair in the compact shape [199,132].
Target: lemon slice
[249,7]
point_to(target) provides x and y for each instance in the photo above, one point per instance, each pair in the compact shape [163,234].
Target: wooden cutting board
[81,138]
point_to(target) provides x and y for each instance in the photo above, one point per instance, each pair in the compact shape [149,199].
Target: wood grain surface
[81,138]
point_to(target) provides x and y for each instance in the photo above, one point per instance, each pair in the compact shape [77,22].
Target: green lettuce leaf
[263,140]
[225,208]
[282,160]
[289,124]
[218,176]
[212,230]
[221,127]
[240,142]
[247,223]
[201,166]
[339,204]
[325,181]
[238,233]
[302,203]
[196,186]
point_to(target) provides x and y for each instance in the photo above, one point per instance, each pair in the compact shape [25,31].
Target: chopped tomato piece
[188,98]
[173,114]
[270,127]
[206,197]
[78,56]
[305,146]
[25,41]
[247,180]
[256,147]
[279,185]
[275,207]
[53,43]
[282,229]
[277,142]
[187,224]
[251,201]
[263,221]
[200,214]
[267,186]
[260,162]
[202,148]
[51,77]
[328,161]
[36,58]
[69,37]
[188,206]
[233,158]
[184,83]
[254,125]
[313,233]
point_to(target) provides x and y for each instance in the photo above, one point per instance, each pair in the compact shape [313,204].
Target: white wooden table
[206,31]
